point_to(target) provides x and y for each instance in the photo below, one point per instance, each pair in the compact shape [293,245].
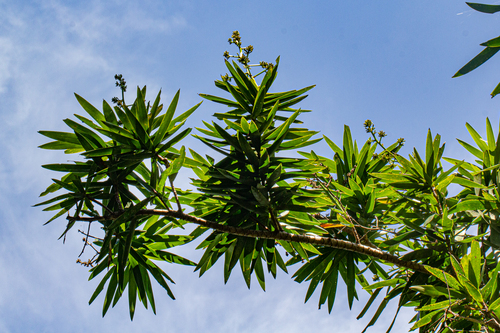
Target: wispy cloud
[48,49]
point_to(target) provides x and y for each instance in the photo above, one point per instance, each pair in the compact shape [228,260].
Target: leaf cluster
[364,214]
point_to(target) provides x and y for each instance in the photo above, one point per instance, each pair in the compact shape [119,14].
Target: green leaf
[333,146]
[109,115]
[61,136]
[430,290]
[475,262]
[128,214]
[495,306]
[266,83]
[428,147]
[279,133]
[447,278]
[228,256]
[142,112]
[249,82]
[132,292]
[91,110]
[488,9]
[197,157]
[270,118]
[220,100]
[148,288]
[490,135]
[241,80]
[58,145]
[495,91]
[312,287]
[176,165]
[488,290]
[393,293]
[261,199]
[84,168]
[350,278]
[427,319]
[247,149]
[100,287]
[173,141]
[233,125]
[459,271]
[473,292]
[477,61]
[386,283]
[184,116]
[467,183]
[259,273]
[234,256]
[477,138]
[137,127]
[436,306]
[369,303]
[109,293]
[229,139]
[158,274]
[274,177]
[85,132]
[241,99]
[470,205]
[165,123]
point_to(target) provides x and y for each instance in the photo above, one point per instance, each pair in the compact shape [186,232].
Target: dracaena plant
[364,214]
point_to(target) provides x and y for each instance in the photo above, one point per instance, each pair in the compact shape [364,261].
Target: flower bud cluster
[243,54]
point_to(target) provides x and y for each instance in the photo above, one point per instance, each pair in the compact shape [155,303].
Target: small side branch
[86,240]
[179,207]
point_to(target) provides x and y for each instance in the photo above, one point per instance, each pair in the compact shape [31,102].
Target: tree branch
[281,235]
[309,239]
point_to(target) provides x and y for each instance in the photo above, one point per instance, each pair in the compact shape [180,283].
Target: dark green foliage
[361,212]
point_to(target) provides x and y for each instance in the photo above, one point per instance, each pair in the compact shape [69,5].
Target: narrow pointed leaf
[165,123]
[477,61]
[488,9]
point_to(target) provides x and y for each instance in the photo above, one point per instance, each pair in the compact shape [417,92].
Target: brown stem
[94,237]
[99,203]
[310,239]
[179,207]
[436,196]
[86,240]
[281,235]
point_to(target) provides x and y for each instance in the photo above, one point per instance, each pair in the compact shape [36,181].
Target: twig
[86,240]
[100,204]
[179,207]
[436,196]
[90,235]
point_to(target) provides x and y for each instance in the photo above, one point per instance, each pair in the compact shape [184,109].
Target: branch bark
[309,239]
[279,235]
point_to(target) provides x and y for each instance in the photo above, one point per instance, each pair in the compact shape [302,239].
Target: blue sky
[387,61]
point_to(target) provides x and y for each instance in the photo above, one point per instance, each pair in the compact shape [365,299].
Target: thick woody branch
[281,235]
[309,239]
